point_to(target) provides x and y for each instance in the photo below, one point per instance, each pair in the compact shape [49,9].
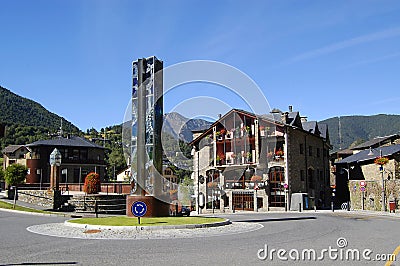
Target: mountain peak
[181,127]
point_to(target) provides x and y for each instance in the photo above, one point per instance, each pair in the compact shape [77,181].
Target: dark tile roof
[270,117]
[292,117]
[311,126]
[323,129]
[344,152]
[73,141]
[274,117]
[363,156]
[12,148]
[376,142]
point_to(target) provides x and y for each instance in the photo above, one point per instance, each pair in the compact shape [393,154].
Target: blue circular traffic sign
[139,208]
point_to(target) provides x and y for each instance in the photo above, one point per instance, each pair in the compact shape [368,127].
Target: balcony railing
[81,161]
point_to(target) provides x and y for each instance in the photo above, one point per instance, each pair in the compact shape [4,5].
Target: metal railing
[115,188]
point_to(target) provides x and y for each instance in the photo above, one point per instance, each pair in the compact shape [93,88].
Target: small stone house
[14,154]
[362,166]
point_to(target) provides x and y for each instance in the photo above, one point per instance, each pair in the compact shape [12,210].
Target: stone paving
[132,233]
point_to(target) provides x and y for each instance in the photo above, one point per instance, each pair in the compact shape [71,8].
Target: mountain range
[20,113]
[349,131]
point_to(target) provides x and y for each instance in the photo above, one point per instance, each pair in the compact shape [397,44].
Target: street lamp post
[198,179]
[286,186]
[383,191]
[348,180]
[383,186]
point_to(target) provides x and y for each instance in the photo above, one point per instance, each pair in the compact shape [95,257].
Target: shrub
[1,174]
[15,174]
[92,183]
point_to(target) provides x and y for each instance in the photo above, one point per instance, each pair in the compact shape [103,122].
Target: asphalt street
[289,232]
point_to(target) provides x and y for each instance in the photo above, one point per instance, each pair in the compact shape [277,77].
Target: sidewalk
[361,212]
[22,203]
[306,212]
[37,207]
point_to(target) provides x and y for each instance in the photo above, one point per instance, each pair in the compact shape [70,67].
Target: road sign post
[362,188]
[139,209]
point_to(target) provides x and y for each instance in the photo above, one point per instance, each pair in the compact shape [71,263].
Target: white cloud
[373,60]
[345,44]
[386,101]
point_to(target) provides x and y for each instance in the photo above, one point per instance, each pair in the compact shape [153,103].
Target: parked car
[184,211]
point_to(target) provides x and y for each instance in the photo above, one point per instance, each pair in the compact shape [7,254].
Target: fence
[116,188]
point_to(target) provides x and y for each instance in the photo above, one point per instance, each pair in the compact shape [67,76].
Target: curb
[34,213]
[141,228]
[371,213]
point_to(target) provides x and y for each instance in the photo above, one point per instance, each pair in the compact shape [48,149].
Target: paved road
[288,231]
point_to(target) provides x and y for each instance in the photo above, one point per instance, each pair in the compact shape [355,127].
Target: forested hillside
[356,129]
[27,121]
[15,109]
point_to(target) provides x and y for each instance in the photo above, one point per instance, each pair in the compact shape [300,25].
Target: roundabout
[68,229]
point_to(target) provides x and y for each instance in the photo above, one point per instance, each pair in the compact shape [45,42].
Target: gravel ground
[66,231]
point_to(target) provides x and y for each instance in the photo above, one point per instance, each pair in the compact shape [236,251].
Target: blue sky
[326,58]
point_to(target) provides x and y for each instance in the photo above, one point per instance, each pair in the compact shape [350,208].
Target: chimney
[290,108]
[219,116]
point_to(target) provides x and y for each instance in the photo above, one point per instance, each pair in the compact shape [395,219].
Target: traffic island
[102,232]
[147,223]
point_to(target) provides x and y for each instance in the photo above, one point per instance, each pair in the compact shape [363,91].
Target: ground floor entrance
[244,200]
[276,182]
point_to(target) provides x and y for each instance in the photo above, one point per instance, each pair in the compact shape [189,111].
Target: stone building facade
[256,162]
[382,182]
[360,166]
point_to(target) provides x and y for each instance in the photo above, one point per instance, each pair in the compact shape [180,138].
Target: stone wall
[372,172]
[42,198]
[373,194]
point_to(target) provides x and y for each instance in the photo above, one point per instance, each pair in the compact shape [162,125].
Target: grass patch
[6,205]
[146,221]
